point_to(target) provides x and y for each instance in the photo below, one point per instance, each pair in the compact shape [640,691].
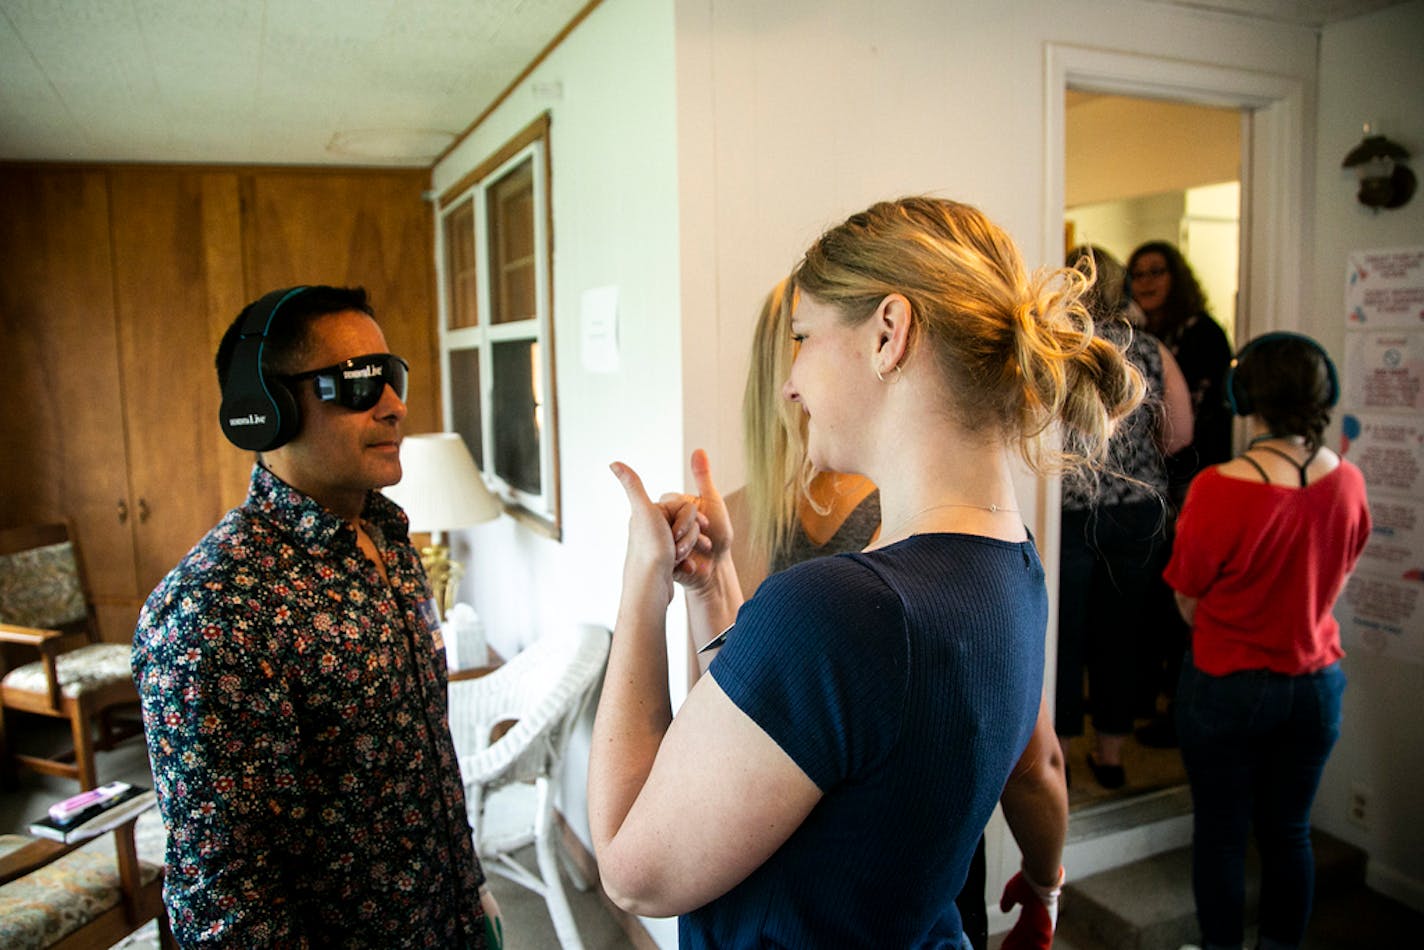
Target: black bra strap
[1300,466]
[1257,466]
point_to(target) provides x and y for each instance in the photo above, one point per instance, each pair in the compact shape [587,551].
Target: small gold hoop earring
[893,379]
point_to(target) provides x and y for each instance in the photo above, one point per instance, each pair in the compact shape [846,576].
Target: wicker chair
[511,772]
[46,613]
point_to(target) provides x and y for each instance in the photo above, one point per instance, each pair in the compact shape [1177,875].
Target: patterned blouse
[1135,470]
[295,709]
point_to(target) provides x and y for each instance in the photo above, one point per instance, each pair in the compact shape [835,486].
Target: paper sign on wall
[598,329]
[1382,610]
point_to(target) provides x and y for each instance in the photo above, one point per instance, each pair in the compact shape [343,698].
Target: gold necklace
[992,509]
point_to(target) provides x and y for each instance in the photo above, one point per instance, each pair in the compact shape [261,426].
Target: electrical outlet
[1358,811]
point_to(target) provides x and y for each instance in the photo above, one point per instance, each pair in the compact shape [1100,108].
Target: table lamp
[441,490]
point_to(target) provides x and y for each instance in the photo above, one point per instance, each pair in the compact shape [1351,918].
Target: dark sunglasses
[357,383]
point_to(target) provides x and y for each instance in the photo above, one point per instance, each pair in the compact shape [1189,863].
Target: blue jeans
[1255,744]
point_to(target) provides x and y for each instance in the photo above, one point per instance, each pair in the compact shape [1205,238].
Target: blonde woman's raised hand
[697,568]
[661,535]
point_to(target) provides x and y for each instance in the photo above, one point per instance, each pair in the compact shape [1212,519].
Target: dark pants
[1255,744]
[1108,560]
[972,903]
[1165,638]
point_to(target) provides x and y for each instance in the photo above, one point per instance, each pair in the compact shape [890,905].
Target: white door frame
[1276,252]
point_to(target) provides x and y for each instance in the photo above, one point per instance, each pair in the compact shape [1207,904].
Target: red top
[1267,563]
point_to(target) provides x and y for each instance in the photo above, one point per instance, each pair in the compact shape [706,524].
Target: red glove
[1034,930]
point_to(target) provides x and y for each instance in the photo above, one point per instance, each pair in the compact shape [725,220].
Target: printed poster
[1385,288]
[1384,370]
[1382,608]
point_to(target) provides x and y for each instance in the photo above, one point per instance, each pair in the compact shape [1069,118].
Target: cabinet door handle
[123,511]
[142,510]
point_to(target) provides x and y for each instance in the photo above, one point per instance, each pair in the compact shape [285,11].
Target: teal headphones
[1237,397]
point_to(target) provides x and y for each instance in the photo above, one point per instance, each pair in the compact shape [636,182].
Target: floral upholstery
[98,664]
[40,587]
[42,907]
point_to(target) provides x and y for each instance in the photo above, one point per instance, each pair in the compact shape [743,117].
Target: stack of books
[94,812]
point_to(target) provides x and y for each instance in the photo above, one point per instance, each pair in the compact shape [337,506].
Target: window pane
[510,208]
[463,305]
[518,395]
[465,401]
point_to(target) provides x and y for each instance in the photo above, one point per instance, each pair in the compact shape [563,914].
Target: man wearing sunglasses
[291,671]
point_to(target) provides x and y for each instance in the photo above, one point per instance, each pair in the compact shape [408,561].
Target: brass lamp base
[444,575]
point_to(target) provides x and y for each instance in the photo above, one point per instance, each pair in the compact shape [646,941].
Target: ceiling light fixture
[391,144]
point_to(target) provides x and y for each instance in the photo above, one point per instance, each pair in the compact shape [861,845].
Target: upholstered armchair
[77,896]
[51,659]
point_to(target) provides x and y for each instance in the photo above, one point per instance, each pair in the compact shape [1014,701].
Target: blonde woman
[826,782]
[789,512]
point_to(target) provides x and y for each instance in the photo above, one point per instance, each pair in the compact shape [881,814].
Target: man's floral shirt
[295,709]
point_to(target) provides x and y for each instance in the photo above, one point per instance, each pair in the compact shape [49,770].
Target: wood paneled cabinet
[116,284]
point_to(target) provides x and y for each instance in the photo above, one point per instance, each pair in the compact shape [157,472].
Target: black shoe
[1108,776]
[1160,733]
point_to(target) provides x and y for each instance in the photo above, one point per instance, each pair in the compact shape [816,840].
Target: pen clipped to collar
[715,642]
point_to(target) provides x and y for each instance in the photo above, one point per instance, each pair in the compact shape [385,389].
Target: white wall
[613,151]
[1370,70]
[1120,226]
[1204,222]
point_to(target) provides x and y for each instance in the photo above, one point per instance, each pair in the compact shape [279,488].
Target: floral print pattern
[295,709]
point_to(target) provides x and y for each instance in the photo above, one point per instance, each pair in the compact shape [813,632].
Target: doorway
[1274,202]
[1138,170]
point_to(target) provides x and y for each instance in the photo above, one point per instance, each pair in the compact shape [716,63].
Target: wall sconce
[1385,181]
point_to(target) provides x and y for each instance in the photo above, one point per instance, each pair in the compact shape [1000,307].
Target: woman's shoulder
[830,577]
[1202,330]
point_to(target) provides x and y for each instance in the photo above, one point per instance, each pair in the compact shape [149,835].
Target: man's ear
[893,319]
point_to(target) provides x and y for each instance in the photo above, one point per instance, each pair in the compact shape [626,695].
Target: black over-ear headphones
[1237,397]
[259,412]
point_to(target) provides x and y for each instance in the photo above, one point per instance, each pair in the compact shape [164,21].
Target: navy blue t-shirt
[905,683]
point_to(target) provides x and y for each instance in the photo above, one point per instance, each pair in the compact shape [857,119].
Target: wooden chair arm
[38,637]
[49,644]
[41,851]
[32,857]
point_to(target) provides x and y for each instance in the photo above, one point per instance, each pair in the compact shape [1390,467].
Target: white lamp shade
[441,488]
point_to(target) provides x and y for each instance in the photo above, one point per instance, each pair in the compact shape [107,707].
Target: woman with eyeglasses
[1163,286]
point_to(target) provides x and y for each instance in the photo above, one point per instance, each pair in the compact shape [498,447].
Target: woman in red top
[1264,545]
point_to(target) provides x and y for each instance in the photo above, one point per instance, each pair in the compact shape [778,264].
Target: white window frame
[542,510]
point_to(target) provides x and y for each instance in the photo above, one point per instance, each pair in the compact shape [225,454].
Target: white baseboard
[1391,883]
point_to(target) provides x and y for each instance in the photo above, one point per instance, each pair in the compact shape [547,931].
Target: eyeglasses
[1151,273]
[357,383]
